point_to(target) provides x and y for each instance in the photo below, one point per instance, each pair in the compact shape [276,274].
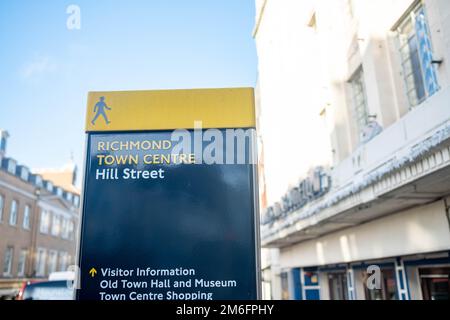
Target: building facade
[38,223]
[369,214]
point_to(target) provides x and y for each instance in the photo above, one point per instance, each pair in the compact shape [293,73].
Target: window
[358,90]
[26,217]
[40,262]
[49,186]
[11,166]
[416,54]
[59,191]
[22,263]
[64,228]
[284,286]
[52,259]
[7,261]
[337,283]
[435,283]
[13,213]
[388,287]
[45,221]
[24,172]
[2,204]
[63,261]
[76,201]
[69,196]
[56,225]
[70,230]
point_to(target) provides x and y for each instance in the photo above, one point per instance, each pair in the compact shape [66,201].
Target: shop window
[388,286]
[337,283]
[435,283]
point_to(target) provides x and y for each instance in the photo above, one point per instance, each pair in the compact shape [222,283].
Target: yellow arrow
[92,272]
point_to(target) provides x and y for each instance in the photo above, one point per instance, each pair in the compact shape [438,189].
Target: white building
[375,77]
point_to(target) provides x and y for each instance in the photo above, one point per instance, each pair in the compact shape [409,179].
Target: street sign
[170,206]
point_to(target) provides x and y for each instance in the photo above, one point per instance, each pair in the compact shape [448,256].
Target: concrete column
[351,284]
[402,284]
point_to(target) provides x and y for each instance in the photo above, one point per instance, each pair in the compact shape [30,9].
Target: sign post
[170,208]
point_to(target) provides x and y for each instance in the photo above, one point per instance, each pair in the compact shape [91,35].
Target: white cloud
[38,66]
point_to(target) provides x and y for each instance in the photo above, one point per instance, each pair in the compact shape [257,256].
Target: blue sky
[46,70]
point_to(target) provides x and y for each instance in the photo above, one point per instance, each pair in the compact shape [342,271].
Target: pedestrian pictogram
[99,110]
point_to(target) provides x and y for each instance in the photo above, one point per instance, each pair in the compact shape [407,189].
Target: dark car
[46,290]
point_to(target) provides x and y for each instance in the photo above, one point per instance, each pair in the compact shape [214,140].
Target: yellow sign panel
[170,109]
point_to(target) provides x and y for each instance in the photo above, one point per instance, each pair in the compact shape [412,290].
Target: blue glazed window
[416,54]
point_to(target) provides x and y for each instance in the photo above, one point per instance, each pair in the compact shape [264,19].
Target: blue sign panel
[159,225]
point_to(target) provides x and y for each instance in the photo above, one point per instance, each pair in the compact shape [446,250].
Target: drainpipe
[34,232]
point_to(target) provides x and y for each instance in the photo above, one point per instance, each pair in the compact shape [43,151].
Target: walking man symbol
[99,110]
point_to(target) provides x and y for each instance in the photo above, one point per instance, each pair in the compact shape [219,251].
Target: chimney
[4,135]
